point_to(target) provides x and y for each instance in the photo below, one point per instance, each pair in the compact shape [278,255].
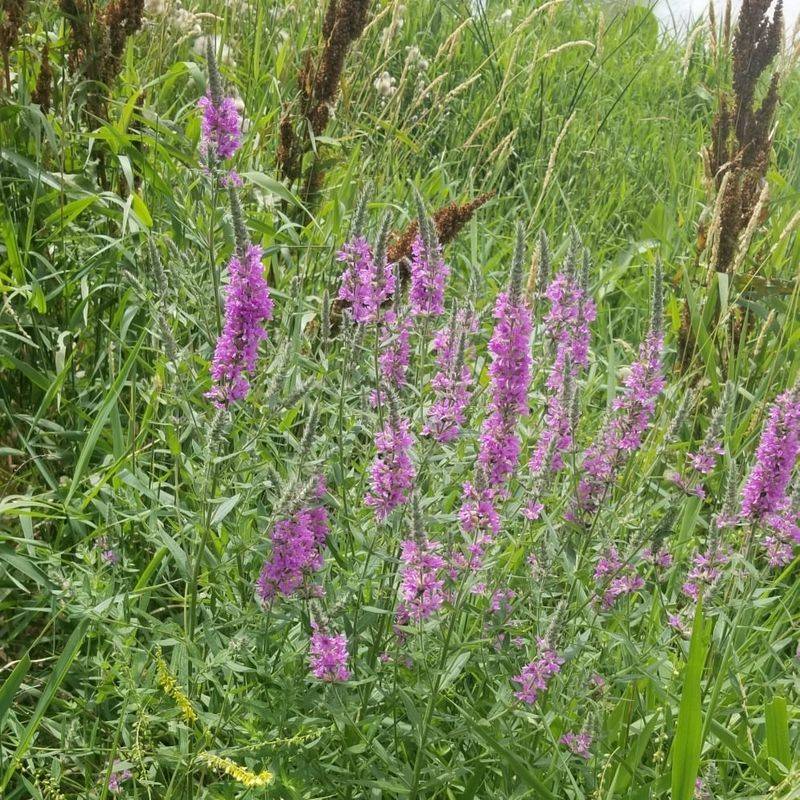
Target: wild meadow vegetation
[399,400]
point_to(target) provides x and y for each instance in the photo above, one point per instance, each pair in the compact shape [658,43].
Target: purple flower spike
[328,656]
[392,472]
[220,127]
[765,487]
[247,307]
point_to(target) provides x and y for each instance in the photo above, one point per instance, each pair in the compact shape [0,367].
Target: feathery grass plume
[242,775]
[448,221]
[43,92]
[741,138]
[170,687]
[630,416]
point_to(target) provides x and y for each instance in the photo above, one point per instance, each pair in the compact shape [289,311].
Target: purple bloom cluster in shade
[366,283]
[328,655]
[535,676]
[395,341]
[220,127]
[392,473]
[297,544]
[624,430]
[618,578]
[705,571]
[117,778]
[247,307]
[578,743]
[784,536]
[510,377]
[421,581]
[765,488]
[452,382]
[428,278]
[567,324]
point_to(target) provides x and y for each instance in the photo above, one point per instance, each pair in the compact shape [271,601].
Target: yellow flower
[170,686]
[251,780]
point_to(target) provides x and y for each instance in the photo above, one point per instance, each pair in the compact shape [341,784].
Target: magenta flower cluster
[366,282]
[765,487]
[705,571]
[578,743]
[248,307]
[616,578]
[452,382]
[567,325]
[428,278]
[536,676]
[297,544]
[392,473]
[395,341]
[510,377]
[220,128]
[328,655]
[624,431]
[421,581]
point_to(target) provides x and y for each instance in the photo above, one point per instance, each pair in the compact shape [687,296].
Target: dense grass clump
[398,400]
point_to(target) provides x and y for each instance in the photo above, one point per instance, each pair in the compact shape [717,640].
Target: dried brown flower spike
[740,138]
[319,82]
[12,15]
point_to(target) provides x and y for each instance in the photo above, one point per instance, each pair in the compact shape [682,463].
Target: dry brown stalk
[319,81]
[741,135]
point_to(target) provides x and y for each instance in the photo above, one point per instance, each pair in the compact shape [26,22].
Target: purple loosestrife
[221,124]
[615,578]
[392,473]
[705,571]
[328,655]
[453,380]
[567,326]
[765,487]
[297,544]
[395,347]
[368,280]
[117,778]
[705,458]
[510,377]
[421,580]
[428,269]
[536,675]
[630,416]
[247,307]
[578,743]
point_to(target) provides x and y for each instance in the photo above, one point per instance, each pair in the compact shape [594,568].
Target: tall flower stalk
[630,416]
[567,326]
[428,269]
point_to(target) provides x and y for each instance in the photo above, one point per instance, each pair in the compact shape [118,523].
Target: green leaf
[11,685]
[688,740]
[56,679]
[777,722]
[102,416]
